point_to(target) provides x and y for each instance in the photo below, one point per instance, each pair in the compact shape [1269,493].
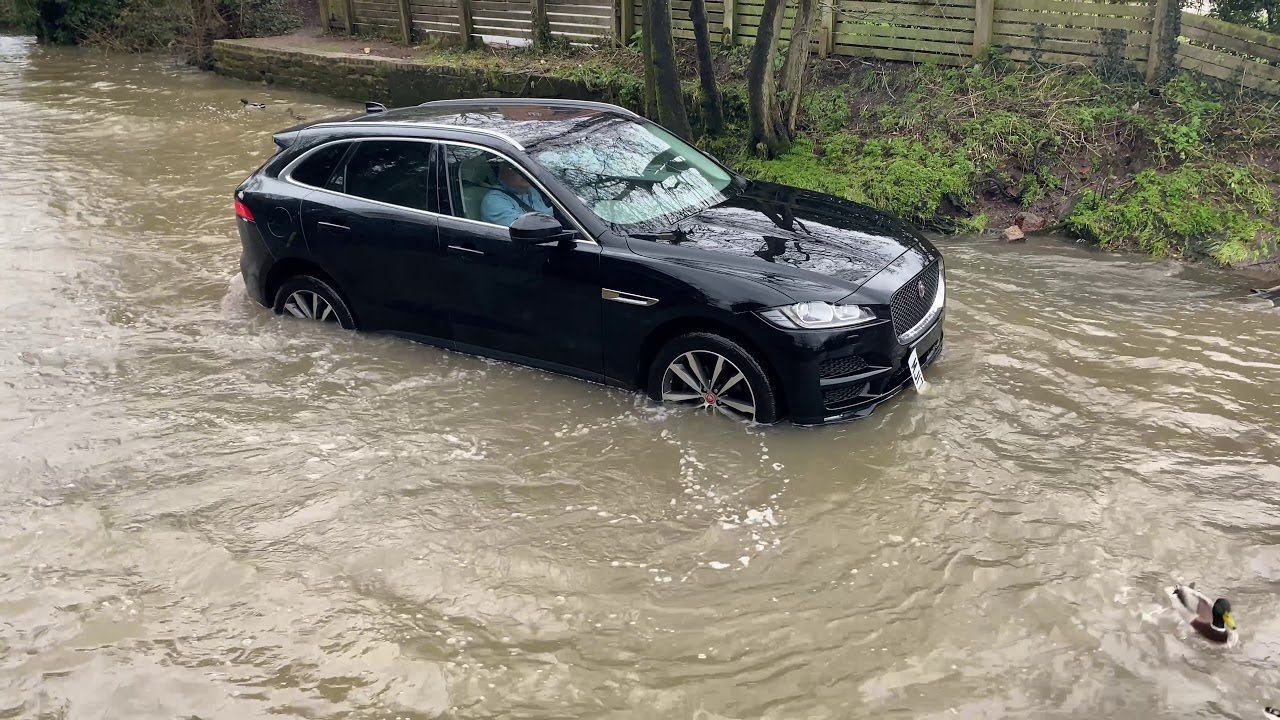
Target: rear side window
[319,165]
[389,171]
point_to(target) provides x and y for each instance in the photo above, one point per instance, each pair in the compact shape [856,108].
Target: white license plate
[917,375]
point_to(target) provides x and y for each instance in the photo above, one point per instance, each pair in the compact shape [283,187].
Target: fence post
[406,22]
[727,37]
[541,26]
[349,7]
[626,21]
[465,26]
[1159,30]
[984,16]
[827,38]
[327,15]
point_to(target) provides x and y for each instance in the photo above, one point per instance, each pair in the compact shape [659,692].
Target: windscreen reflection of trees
[629,173]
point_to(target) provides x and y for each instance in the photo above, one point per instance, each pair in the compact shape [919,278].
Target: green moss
[1219,211]
[826,110]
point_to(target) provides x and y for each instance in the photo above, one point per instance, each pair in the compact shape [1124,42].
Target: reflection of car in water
[656,267]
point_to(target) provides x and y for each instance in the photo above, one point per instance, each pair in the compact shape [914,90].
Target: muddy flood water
[210,511]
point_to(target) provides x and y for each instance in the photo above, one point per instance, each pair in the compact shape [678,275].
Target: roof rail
[372,108]
[460,129]
[548,102]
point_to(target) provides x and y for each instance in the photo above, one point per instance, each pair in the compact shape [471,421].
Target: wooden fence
[1147,36]
[1238,56]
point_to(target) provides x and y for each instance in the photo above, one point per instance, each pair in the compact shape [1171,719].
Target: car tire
[684,373]
[310,298]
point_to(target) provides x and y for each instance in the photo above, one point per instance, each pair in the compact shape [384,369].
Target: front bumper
[832,376]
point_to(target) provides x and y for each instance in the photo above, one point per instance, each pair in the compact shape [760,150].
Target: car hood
[816,242]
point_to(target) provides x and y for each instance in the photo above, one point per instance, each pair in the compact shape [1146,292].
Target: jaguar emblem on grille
[920,288]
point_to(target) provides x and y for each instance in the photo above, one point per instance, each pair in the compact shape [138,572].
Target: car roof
[522,122]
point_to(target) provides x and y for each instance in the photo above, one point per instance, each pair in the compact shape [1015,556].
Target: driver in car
[513,197]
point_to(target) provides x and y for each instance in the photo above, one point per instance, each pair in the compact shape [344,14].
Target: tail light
[243,212]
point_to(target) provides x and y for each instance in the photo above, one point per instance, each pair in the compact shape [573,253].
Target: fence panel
[503,19]
[682,26]
[581,21]
[435,16]
[1230,54]
[1211,32]
[1069,32]
[377,17]
[939,32]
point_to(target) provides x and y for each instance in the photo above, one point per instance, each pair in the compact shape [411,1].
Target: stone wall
[343,75]
[387,80]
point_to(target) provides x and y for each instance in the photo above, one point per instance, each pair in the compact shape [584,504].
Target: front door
[369,227]
[540,304]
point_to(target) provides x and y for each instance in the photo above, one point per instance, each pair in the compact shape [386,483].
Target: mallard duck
[1211,618]
[252,105]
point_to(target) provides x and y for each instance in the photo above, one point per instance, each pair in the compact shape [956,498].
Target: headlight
[817,315]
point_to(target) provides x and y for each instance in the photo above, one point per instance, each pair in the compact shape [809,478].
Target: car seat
[478,176]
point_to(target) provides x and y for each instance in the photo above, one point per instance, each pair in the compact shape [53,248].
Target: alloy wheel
[709,381]
[308,305]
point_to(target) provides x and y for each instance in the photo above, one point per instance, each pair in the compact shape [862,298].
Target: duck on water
[1211,618]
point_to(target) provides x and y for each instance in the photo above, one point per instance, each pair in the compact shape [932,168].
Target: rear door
[369,227]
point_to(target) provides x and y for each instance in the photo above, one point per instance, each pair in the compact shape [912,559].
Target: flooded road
[209,511]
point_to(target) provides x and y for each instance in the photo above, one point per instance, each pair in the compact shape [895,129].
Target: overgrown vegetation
[1216,210]
[1180,172]
[141,25]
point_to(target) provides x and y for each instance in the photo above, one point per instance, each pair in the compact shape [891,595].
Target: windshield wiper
[672,236]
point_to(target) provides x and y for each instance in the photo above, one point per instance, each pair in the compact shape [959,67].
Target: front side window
[389,171]
[485,187]
[633,173]
[319,165]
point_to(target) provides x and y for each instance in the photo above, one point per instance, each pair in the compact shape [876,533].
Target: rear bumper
[255,258]
[830,377]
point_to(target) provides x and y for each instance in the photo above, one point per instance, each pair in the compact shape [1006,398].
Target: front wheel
[310,298]
[714,374]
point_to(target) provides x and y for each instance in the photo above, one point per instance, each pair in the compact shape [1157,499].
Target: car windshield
[632,173]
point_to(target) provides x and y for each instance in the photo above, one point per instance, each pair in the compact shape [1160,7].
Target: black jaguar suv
[583,239]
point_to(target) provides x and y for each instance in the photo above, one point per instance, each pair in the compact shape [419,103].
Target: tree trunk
[541,26]
[768,128]
[793,70]
[669,99]
[650,73]
[712,109]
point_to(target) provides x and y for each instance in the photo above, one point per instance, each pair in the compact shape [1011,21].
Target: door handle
[458,249]
[335,226]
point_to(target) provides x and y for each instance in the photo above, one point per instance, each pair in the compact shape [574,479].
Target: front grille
[836,397]
[841,367]
[908,305]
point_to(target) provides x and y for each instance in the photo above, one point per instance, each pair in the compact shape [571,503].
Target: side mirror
[535,228]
